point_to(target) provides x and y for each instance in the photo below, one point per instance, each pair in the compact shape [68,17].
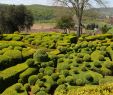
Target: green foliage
[65,23]
[80,82]
[79,60]
[32,79]
[15,18]
[27,87]
[40,56]
[101,58]
[30,62]
[42,93]
[10,74]
[87,58]
[105,29]
[35,89]
[14,55]
[18,87]
[97,64]
[48,70]
[30,71]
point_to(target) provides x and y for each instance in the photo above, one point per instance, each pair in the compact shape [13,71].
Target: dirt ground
[44,27]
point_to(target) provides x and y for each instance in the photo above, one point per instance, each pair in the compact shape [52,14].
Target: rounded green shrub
[51,64]
[43,64]
[89,78]
[62,50]
[84,44]
[65,72]
[63,66]
[41,70]
[48,70]
[70,80]
[55,76]
[61,89]
[103,48]
[40,56]
[80,82]
[90,44]
[39,83]
[75,71]
[27,87]
[30,62]
[35,89]
[61,81]
[60,60]
[42,93]
[75,64]
[88,65]
[101,58]
[106,72]
[17,38]
[79,60]
[80,55]
[84,69]
[104,53]
[77,47]
[40,75]
[18,87]
[97,64]
[109,65]
[32,79]
[87,58]
[20,81]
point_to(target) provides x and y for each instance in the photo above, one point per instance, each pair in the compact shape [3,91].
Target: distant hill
[51,13]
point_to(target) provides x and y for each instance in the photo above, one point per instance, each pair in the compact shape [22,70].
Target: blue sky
[43,2]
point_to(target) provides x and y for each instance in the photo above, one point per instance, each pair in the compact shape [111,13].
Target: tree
[66,23]
[79,7]
[14,18]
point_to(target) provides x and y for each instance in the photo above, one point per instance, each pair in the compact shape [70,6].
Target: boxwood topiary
[101,58]
[106,72]
[42,93]
[48,70]
[30,62]
[89,78]
[80,82]
[65,72]
[61,81]
[79,60]
[70,80]
[35,89]
[40,56]
[87,58]
[27,87]
[40,75]
[97,64]
[39,83]
[32,79]
[55,76]
[18,87]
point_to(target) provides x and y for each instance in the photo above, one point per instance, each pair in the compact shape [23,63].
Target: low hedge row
[11,75]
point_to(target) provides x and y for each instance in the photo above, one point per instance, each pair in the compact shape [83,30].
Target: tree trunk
[79,28]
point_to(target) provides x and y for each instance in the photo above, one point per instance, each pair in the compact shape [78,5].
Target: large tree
[78,7]
[15,18]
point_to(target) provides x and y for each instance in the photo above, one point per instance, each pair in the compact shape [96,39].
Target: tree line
[15,18]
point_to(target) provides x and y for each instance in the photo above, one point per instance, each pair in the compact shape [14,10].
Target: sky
[43,2]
